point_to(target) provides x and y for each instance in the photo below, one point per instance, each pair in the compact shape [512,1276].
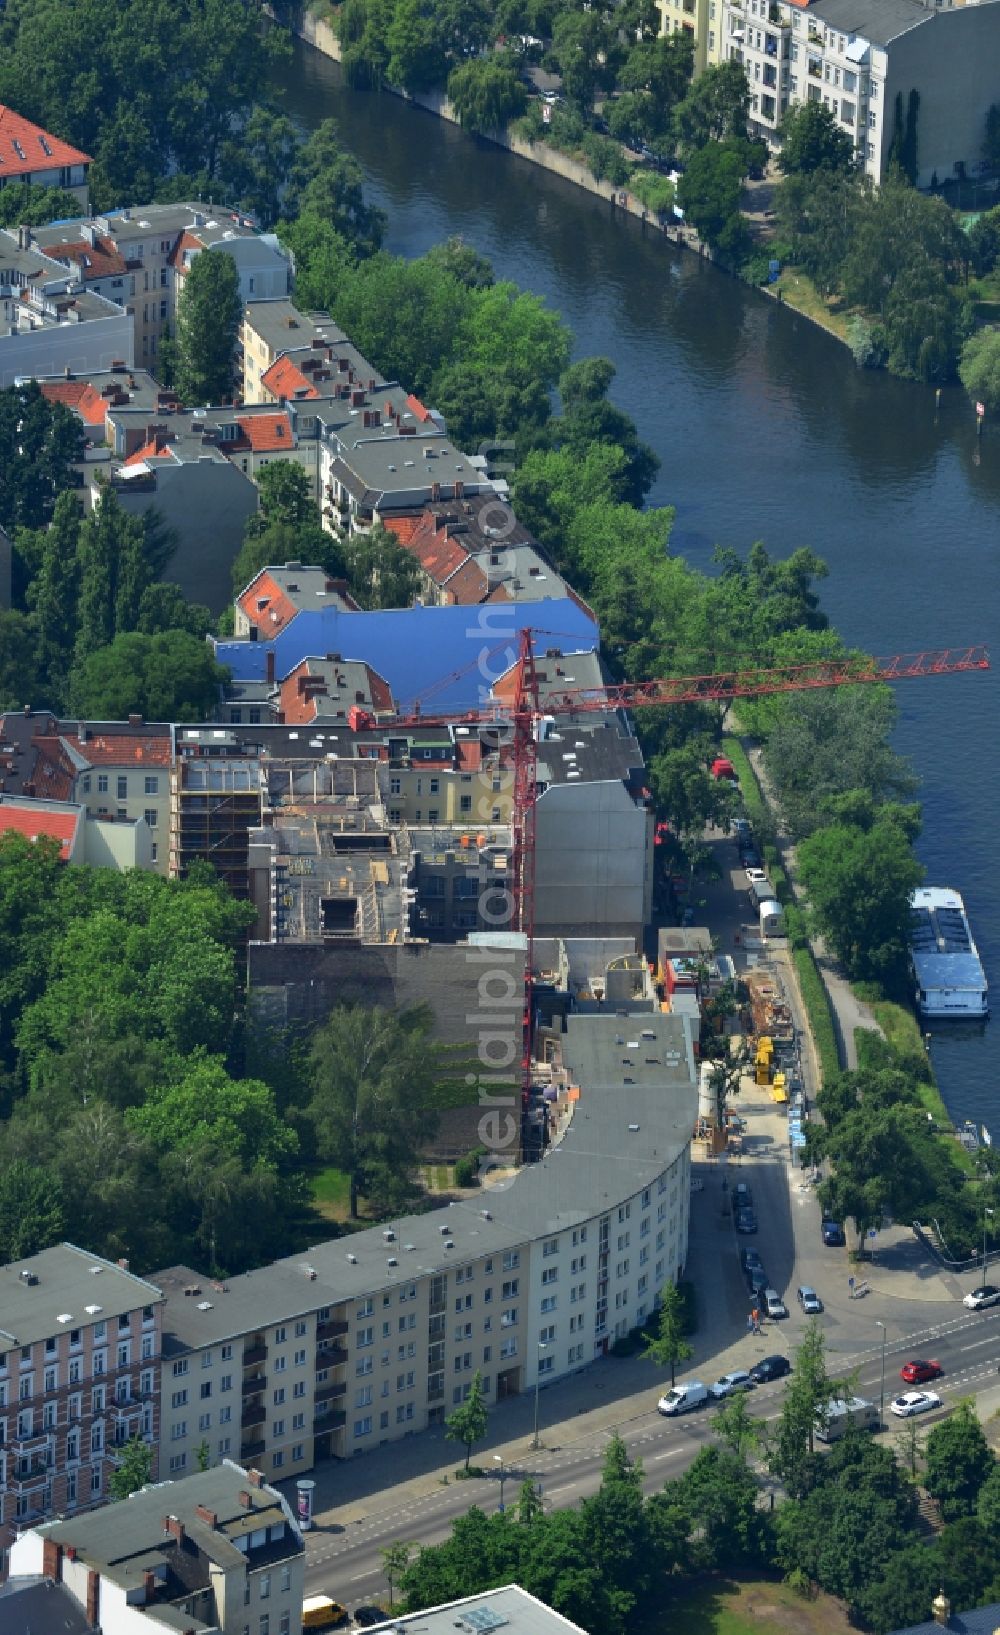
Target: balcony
[254,1354]
[253,1384]
[23,1444]
[329,1393]
[437,1306]
[29,1481]
[250,1449]
[330,1422]
[331,1357]
[254,1414]
[332,1329]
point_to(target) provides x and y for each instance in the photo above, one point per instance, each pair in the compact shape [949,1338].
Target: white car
[986,1295]
[738,1380]
[914,1402]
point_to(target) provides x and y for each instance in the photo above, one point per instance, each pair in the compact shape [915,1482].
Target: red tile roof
[468,585]
[187,241]
[98,260]
[266,605]
[79,395]
[416,407]
[25,148]
[52,773]
[124,748]
[34,821]
[300,704]
[267,433]
[153,450]
[285,380]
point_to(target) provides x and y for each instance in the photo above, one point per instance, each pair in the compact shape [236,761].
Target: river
[766,430]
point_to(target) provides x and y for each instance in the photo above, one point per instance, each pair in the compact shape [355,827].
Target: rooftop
[25,148]
[615,1143]
[213,1513]
[384,463]
[34,819]
[65,1288]
[31,1606]
[878,21]
[281,325]
[509,1608]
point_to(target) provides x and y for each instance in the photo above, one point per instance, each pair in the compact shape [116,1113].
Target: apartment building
[36,158]
[694,17]
[220,1551]
[79,1375]
[862,59]
[99,842]
[363,1340]
[278,329]
[49,321]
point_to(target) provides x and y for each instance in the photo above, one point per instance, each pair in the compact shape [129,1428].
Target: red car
[918,1373]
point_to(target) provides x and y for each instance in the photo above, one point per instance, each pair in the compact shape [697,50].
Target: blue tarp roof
[415,648]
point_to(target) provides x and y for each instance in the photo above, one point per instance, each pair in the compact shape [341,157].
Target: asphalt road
[348,1564]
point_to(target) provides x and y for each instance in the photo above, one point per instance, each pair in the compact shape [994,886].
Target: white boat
[950,980]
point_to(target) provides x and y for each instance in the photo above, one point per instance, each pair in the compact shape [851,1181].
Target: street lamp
[881,1392]
[985,1213]
[502,1473]
[541,1347]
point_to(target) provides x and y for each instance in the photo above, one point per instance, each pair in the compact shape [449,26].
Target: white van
[772,918]
[841,1414]
[680,1399]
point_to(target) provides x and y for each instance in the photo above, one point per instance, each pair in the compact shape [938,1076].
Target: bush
[467,1168]
[758,269]
[866,343]
[817,1006]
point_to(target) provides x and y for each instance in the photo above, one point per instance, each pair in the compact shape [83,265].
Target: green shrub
[817,1006]
[467,1168]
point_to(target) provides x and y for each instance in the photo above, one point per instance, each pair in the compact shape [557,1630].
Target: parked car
[367,1617]
[741,829]
[918,1373]
[770,1368]
[809,1300]
[757,1281]
[914,1402]
[986,1295]
[774,1305]
[746,1220]
[680,1399]
[742,1196]
[750,1259]
[833,1234]
[737,1380]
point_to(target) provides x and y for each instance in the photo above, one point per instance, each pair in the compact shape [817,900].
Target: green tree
[461,262]
[163,606]
[40,442]
[53,595]
[171,676]
[375,1078]
[709,193]
[859,884]
[959,1461]
[416,51]
[468,1422]
[988,1503]
[816,214]
[979,368]
[715,109]
[19,674]
[615,1532]
[984,241]
[670,1346]
[735,1426]
[208,320]
[381,573]
[328,183]
[279,543]
[285,496]
[486,95]
[32,1213]
[24,205]
[804,1405]
[721,1496]
[203,1454]
[583,45]
[812,140]
[395,1560]
[133,1468]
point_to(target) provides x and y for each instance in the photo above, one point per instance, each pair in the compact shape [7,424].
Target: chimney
[123,1265]
[149,1584]
[174,1527]
[209,1517]
[941,1609]
[246,1500]
[71,1552]
[255,1478]
[269,665]
[135,720]
[93,1598]
[52,1559]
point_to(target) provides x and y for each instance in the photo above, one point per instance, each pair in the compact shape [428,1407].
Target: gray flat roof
[124,1540]
[379,462]
[69,1280]
[635,1070]
[876,20]
[509,1606]
[38,1606]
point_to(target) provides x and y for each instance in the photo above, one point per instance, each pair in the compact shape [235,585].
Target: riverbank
[318,33]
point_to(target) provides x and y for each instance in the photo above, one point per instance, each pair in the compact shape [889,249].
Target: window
[97,1400]
[365,1337]
[279,1336]
[225,1416]
[264,1627]
[279,1396]
[179,1399]
[300,1329]
[204,1422]
[550,1274]
[509,1290]
[364,1365]
[363,1427]
[102,783]
[299,1388]
[265,1586]
[300,1359]
[180,1367]
[227,1353]
[278,1428]
[206,1390]
[286,1572]
[363,1397]
[298,1422]
[226,1382]
[150,816]
[151,786]
[179,1431]
[549,1303]
[511,1259]
[122,787]
[51,1376]
[546,1365]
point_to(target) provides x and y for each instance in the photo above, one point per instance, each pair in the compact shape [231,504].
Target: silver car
[809,1300]
[737,1380]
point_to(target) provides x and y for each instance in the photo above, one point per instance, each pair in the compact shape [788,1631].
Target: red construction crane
[517,720]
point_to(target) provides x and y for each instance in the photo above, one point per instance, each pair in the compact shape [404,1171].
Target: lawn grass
[799,291]
[331,1193]
[757,1606]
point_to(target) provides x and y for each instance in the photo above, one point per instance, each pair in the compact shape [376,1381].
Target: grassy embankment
[814,996]
[798,291]
[754,1606]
